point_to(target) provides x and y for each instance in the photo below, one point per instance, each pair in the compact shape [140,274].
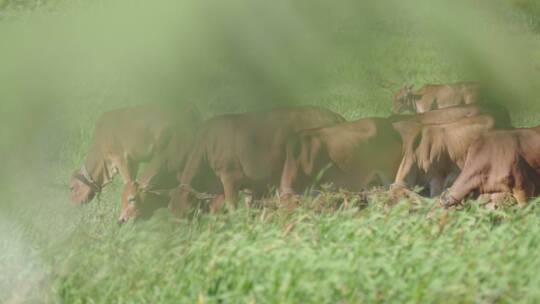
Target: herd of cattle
[453,146]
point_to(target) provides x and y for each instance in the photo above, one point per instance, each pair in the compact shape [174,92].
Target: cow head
[403,99]
[130,202]
[82,188]
[138,202]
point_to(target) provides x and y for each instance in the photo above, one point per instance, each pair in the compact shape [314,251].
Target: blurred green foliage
[62,63]
[531,10]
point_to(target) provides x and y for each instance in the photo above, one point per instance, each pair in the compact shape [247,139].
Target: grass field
[63,63]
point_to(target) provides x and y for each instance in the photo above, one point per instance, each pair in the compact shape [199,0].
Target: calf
[247,150]
[435,96]
[349,155]
[500,161]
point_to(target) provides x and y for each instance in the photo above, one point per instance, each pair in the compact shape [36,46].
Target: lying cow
[123,139]
[237,151]
[500,162]
[435,96]
[349,155]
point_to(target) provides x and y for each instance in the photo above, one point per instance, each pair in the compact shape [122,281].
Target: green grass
[322,252]
[72,66]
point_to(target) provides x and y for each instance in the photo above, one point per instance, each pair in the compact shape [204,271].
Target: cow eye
[131,200]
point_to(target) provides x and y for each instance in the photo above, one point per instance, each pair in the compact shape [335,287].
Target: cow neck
[97,170]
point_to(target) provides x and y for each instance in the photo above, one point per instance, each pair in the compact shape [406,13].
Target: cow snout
[121,221]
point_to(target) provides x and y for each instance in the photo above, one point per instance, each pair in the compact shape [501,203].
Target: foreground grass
[323,252]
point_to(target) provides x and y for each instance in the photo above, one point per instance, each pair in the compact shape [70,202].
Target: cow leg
[217,203]
[127,168]
[228,181]
[289,174]
[521,196]
[287,195]
[523,187]
[156,173]
[404,171]
[466,182]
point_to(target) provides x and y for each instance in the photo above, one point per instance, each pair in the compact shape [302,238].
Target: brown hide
[124,138]
[247,150]
[451,114]
[349,155]
[500,161]
[435,96]
[142,197]
[433,153]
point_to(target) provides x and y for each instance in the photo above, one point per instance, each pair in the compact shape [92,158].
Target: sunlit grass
[267,255]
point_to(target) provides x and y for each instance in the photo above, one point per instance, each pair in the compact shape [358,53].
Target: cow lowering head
[403,100]
[82,187]
[138,202]
[130,202]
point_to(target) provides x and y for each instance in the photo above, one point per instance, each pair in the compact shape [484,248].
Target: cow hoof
[397,186]
[447,200]
[288,197]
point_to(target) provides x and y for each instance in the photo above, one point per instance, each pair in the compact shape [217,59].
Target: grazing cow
[434,153]
[136,201]
[349,155]
[140,198]
[435,96]
[124,138]
[500,162]
[247,150]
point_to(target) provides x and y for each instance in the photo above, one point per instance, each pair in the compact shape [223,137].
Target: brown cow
[432,154]
[500,162]
[451,114]
[140,198]
[247,150]
[123,138]
[435,96]
[411,126]
[349,155]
